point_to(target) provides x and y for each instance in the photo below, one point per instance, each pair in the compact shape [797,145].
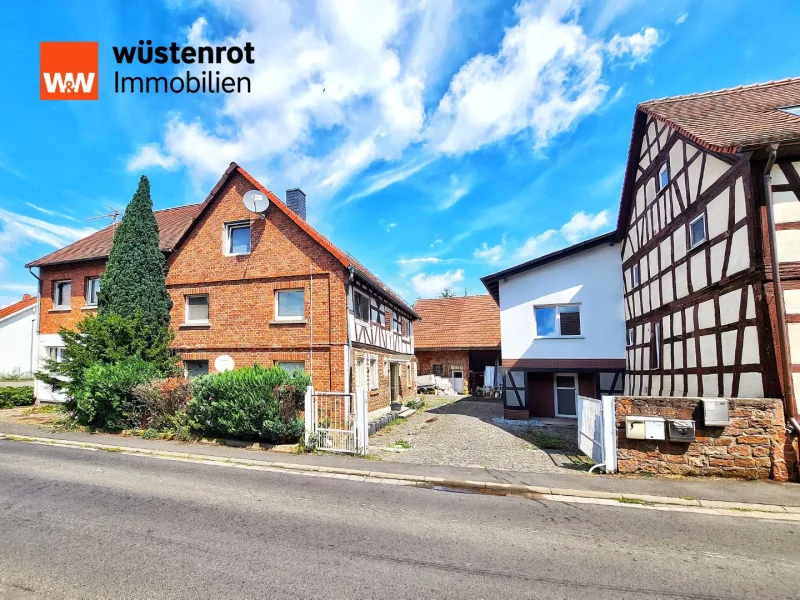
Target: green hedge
[16,396]
[249,403]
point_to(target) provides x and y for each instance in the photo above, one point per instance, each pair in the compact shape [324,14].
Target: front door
[566,394]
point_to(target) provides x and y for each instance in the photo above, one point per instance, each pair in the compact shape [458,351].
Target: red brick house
[253,288]
[457,338]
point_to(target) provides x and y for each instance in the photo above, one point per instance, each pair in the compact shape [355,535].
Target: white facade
[17,335]
[592,280]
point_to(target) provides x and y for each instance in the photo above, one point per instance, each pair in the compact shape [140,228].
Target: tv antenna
[113,215]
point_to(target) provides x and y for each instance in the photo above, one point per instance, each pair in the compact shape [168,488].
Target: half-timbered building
[704,310]
[252,288]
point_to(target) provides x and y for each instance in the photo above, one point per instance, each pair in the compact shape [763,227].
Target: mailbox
[715,412]
[681,430]
[644,428]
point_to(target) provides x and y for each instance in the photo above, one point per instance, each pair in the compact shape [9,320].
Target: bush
[161,400]
[249,403]
[16,396]
[106,398]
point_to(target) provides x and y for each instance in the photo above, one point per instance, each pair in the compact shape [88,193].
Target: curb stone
[716,507]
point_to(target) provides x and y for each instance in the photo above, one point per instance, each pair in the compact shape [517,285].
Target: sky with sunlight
[437,140]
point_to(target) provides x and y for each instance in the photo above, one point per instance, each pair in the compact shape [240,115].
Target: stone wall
[753,446]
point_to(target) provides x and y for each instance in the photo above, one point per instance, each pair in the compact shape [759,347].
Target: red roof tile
[733,119]
[18,306]
[172,223]
[461,322]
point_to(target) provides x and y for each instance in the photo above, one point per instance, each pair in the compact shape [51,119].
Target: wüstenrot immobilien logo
[68,71]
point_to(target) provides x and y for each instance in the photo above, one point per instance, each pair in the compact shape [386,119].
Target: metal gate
[597,432]
[336,421]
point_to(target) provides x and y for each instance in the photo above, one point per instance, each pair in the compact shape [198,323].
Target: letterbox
[644,428]
[681,430]
[715,412]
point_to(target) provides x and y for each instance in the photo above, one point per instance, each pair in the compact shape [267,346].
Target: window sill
[288,322]
[89,307]
[195,325]
[62,309]
[374,392]
[560,337]
[239,254]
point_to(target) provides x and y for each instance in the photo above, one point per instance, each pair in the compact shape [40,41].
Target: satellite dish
[255,201]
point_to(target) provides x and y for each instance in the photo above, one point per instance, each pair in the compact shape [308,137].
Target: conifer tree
[135,277]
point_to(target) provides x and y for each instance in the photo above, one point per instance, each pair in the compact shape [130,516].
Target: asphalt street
[88,524]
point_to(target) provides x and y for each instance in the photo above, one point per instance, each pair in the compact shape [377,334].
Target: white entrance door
[566,394]
[457,377]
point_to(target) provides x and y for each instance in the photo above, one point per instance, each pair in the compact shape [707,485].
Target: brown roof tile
[172,222]
[461,322]
[9,310]
[733,119]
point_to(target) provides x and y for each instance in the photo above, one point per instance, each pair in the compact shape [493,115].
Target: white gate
[336,421]
[597,432]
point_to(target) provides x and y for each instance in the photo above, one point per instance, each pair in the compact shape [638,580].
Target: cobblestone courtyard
[470,432]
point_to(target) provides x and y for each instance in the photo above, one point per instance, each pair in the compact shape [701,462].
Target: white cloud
[487,254]
[457,190]
[533,245]
[388,178]
[20,229]
[150,155]
[436,242]
[638,46]
[428,286]
[582,225]
[682,19]
[421,259]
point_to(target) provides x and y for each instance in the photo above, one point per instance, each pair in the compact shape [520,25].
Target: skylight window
[792,110]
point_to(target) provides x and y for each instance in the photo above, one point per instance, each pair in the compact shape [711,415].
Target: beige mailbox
[644,428]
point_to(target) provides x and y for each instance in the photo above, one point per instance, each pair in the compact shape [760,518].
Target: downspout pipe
[348,299]
[790,404]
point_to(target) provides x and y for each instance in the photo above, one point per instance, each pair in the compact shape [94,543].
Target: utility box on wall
[644,428]
[716,412]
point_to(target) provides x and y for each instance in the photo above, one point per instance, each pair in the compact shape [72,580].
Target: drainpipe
[311,322]
[351,272]
[790,405]
[35,335]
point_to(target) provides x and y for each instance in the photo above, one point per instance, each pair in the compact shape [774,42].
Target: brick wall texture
[241,295]
[753,446]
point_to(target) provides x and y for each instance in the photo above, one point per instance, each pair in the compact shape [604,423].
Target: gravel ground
[464,433]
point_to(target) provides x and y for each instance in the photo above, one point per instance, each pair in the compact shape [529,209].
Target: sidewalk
[758,492]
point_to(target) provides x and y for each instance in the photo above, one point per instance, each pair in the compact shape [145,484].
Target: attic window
[792,110]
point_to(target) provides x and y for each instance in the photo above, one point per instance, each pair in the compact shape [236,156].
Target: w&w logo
[68,71]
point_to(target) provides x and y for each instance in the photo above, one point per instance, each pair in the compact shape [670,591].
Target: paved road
[81,524]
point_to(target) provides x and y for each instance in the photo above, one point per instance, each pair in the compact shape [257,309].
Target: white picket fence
[597,431]
[337,421]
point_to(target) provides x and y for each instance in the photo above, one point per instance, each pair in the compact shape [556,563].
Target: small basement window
[197,309]
[291,366]
[237,238]
[62,293]
[558,321]
[663,177]
[92,287]
[195,368]
[697,231]
[290,305]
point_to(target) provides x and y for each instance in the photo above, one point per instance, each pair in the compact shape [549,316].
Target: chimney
[26,297]
[296,200]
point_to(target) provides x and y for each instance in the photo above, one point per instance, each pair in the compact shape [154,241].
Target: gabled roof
[172,223]
[492,282]
[457,323]
[26,302]
[734,119]
[175,224]
[726,121]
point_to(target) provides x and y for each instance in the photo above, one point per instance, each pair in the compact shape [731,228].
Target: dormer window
[792,110]
[237,238]
[663,177]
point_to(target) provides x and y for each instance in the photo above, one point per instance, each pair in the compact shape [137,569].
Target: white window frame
[56,285]
[664,169]
[186,318]
[86,292]
[227,238]
[695,243]
[289,318]
[557,331]
[361,372]
[631,337]
[55,353]
[364,298]
[374,373]
[302,363]
[636,275]
[555,394]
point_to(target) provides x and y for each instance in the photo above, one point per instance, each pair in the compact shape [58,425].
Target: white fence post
[309,414]
[610,433]
[362,432]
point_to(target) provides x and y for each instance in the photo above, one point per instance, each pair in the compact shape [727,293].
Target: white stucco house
[562,328]
[18,336]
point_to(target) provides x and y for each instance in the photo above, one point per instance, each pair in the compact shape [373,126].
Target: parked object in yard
[431,384]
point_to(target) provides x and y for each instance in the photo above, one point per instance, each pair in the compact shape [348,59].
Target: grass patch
[544,440]
[740,509]
[42,409]
[112,449]
[402,444]
[632,501]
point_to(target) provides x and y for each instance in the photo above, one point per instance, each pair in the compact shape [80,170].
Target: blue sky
[452,139]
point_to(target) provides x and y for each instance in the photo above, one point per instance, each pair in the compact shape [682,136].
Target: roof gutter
[790,404]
